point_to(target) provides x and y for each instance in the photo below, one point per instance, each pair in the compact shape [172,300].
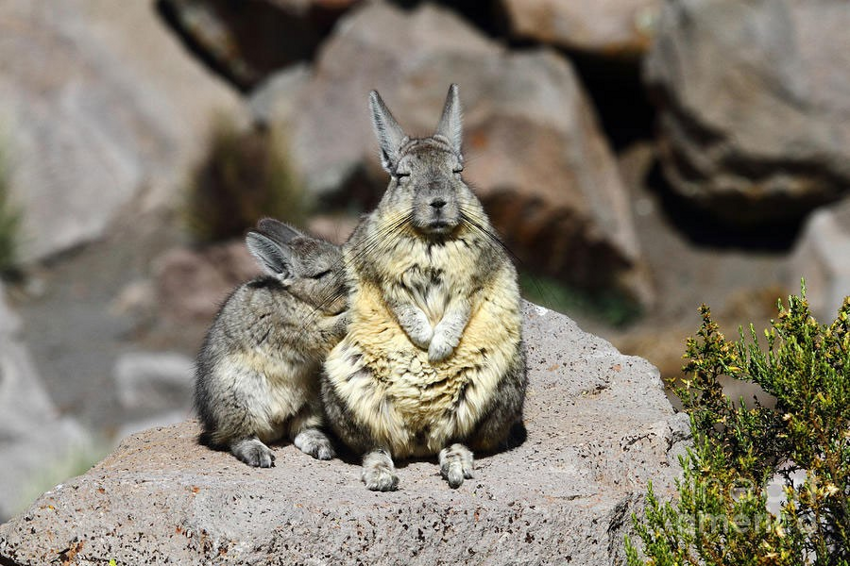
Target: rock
[335,229]
[157,420]
[137,298]
[599,428]
[822,257]
[192,285]
[154,382]
[33,436]
[273,102]
[246,41]
[609,28]
[534,149]
[99,108]
[754,105]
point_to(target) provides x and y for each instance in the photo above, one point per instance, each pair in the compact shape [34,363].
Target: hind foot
[379,471]
[456,463]
[312,441]
[253,452]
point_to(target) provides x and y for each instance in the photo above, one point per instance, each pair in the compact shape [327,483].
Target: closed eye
[400,176]
[322,274]
[458,169]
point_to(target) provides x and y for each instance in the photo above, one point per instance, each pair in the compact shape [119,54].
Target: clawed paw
[439,349]
[254,453]
[456,464]
[314,443]
[380,479]
[422,337]
[379,471]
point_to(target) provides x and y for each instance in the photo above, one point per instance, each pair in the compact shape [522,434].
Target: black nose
[438,203]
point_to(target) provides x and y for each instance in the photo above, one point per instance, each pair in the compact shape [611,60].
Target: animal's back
[267,344]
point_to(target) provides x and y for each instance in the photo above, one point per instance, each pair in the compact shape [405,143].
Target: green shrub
[74,461]
[10,225]
[745,457]
[243,177]
[610,306]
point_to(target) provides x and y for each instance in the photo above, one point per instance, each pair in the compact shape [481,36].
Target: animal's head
[426,180]
[310,268]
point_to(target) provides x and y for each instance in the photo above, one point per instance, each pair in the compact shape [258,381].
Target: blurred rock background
[639,157]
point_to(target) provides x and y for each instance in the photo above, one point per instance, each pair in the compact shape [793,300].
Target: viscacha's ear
[451,126]
[389,133]
[276,259]
[278,231]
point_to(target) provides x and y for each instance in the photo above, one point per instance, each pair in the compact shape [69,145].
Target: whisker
[480,224]
[373,243]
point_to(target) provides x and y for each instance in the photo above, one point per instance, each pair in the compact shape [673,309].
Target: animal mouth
[440,227]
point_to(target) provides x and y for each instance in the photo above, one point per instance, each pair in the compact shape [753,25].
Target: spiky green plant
[10,224]
[761,486]
[243,177]
[610,306]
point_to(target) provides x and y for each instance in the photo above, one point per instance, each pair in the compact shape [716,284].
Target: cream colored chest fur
[276,389]
[409,404]
[430,276]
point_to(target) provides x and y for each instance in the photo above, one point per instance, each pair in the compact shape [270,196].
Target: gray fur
[450,125]
[456,464]
[429,255]
[379,471]
[389,133]
[448,331]
[257,371]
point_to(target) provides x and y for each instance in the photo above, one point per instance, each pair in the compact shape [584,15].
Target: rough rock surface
[535,153]
[245,41]
[98,106]
[755,103]
[603,27]
[33,435]
[599,427]
[822,257]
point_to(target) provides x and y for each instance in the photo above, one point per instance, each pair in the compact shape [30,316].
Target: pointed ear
[450,125]
[389,133]
[278,231]
[275,258]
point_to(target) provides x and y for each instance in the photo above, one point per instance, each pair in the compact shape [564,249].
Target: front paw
[339,324]
[314,443]
[440,348]
[380,479]
[421,336]
[379,471]
[456,463]
[253,452]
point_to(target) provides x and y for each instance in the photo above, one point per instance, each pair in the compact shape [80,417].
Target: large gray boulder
[755,112]
[33,435]
[246,41]
[154,382]
[99,108]
[154,389]
[191,285]
[822,257]
[535,153]
[599,428]
[608,28]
